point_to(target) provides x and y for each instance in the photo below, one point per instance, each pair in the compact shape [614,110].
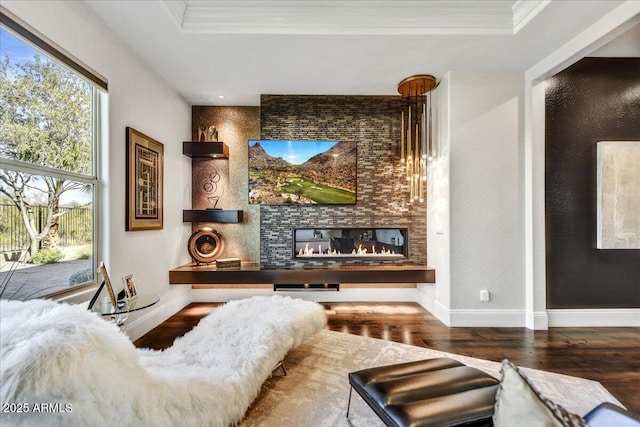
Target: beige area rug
[316,389]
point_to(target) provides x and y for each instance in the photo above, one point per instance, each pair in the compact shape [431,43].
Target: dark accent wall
[595,99]
[382,193]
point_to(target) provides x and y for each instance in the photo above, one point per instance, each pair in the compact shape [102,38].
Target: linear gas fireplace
[349,243]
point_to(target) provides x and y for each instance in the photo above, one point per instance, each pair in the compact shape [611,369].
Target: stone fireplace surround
[382,193]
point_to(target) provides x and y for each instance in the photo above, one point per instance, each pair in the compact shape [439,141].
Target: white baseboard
[351,294]
[426,301]
[434,307]
[224,295]
[613,317]
[537,320]
[471,318]
[504,318]
[359,294]
[441,312]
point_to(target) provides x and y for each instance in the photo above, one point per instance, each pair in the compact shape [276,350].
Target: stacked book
[227,262]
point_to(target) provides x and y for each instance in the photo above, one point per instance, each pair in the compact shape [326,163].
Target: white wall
[486,237]
[476,182]
[140,99]
[437,297]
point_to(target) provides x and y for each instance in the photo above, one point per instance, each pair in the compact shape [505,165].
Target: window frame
[99,87]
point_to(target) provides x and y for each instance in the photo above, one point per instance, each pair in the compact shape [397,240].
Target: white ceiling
[241,49]
[625,45]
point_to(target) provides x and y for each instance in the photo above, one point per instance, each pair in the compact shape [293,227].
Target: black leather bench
[434,392]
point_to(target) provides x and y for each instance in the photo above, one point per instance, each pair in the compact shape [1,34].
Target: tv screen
[302,172]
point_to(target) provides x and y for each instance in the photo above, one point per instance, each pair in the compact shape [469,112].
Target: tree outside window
[47,178]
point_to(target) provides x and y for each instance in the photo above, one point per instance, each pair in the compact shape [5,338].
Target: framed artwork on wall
[618,179]
[145,173]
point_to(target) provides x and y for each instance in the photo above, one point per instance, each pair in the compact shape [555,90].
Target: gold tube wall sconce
[416,133]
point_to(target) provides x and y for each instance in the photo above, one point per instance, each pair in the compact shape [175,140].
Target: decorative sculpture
[208,179]
[205,245]
[212,134]
[202,133]
[207,134]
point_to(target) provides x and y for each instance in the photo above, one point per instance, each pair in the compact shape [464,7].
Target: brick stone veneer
[383,194]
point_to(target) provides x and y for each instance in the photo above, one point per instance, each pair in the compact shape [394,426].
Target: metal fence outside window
[75,226]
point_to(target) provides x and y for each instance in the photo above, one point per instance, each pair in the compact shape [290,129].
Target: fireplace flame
[309,251]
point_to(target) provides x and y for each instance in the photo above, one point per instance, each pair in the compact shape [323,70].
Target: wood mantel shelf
[192,274]
[205,150]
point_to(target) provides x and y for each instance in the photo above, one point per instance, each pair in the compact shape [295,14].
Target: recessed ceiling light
[221,96]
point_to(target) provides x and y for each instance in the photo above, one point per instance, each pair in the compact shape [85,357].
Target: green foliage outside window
[45,120]
[47,256]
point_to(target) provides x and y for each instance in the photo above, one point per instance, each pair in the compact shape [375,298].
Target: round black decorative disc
[205,245]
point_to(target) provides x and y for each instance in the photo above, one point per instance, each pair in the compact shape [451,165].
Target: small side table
[120,313]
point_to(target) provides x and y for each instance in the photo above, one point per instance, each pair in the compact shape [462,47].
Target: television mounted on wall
[302,172]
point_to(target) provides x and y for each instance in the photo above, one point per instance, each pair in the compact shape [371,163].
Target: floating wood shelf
[205,150]
[192,274]
[212,215]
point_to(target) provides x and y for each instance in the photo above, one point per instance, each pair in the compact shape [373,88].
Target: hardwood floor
[608,355]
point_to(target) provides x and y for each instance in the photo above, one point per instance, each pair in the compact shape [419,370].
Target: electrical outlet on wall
[484,295]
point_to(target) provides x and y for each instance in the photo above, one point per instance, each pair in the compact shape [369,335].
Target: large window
[48,179]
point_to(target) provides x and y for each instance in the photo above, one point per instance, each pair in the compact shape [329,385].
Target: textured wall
[382,200]
[236,125]
[595,99]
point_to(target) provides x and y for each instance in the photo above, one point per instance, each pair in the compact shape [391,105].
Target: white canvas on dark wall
[618,180]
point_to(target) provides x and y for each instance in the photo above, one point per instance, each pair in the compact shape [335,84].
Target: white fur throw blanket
[84,371]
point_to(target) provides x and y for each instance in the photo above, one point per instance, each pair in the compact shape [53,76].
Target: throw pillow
[518,403]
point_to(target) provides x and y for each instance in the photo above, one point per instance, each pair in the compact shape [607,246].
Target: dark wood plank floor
[608,355]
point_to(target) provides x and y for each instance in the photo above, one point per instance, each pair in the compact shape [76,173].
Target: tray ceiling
[240,49]
[354,16]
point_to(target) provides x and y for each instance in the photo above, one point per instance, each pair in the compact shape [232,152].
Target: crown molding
[354,17]
[523,11]
[177,9]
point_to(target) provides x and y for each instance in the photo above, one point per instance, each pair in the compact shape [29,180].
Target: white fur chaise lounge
[87,372]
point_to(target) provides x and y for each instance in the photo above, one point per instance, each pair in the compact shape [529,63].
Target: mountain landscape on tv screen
[328,177]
